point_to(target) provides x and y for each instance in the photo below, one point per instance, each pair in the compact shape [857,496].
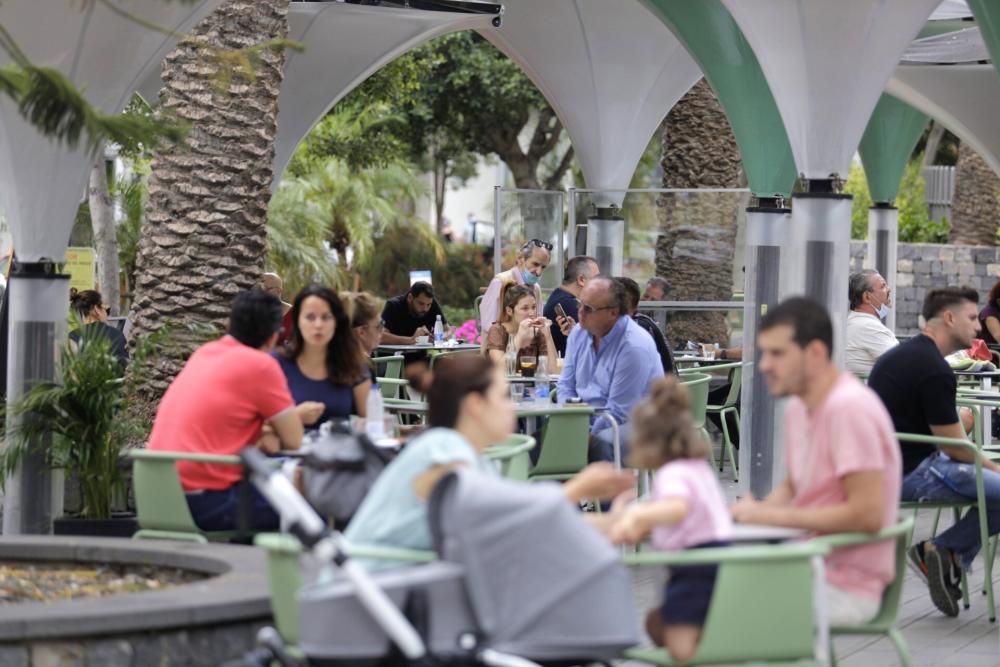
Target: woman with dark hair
[90,309]
[469,409]
[323,361]
[989,317]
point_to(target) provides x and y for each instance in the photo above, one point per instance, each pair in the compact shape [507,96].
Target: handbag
[338,470]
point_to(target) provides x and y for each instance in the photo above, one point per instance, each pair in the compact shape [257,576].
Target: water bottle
[375,414]
[542,379]
[438,331]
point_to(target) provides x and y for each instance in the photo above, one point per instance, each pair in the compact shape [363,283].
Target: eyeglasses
[585,308]
[538,243]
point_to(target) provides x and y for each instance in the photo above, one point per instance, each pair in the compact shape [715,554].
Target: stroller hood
[542,583]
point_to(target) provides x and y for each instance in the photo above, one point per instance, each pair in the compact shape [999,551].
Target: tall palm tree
[695,251]
[975,207]
[204,236]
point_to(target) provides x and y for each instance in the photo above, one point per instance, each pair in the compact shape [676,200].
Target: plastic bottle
[438,331]
[375,414]
[510,357]
[542,379]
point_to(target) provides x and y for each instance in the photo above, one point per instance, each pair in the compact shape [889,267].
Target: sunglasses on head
[538,243]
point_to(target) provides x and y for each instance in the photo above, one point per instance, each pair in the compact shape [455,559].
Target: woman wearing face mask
[532,334]
[323,361]
[989,317]
[532,260]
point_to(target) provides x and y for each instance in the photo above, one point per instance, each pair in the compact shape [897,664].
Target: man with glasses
[532,260]
[610,362]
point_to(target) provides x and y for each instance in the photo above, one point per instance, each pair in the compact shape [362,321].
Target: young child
[687,510]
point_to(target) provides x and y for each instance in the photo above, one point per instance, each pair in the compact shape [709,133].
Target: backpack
[338,469]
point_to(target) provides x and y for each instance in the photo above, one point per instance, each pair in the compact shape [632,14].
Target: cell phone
[559,310]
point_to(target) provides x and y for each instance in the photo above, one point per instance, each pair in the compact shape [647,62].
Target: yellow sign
[80,264]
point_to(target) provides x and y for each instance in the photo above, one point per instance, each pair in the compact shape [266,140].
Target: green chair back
[697,386]
[565,441]
[284,578]
[161,507]
[437,356]
[763,608]
[389,368]
[735,384]
[512,456]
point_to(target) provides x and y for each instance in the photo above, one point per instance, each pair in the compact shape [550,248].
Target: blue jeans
[938,478]
[602,444]
[220,510]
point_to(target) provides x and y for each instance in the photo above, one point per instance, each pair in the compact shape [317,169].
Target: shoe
[956,577]
[915,559]
[939,581]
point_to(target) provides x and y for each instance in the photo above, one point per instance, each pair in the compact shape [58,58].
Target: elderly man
[532,260]
[578,271]
[867,338]
[610,361]
[918,388]
[841,454]
[656,290]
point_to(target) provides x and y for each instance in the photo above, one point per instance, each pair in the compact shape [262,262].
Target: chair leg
[708,442]
[896,637]
[728,443]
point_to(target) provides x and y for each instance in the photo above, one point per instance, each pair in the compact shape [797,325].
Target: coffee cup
[423,340]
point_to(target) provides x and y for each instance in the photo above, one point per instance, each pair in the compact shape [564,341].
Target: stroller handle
[309,527]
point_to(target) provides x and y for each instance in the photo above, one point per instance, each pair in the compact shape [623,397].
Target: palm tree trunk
[204,236]
[695,251]
[102,219]
[975,207]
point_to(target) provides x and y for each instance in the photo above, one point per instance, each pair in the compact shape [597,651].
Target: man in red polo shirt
[219,403]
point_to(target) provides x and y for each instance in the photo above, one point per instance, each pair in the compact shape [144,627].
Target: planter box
[119,525]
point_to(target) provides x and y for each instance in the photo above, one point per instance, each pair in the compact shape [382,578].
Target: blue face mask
[529,278]
[883,311]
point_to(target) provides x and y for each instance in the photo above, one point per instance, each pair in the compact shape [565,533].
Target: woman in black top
[92,312]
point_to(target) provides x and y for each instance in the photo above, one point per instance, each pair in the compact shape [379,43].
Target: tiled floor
[935,640]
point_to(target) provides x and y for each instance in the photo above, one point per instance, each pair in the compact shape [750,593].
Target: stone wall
[922,266]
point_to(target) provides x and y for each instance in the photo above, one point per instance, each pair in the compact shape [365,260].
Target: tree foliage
[915,223]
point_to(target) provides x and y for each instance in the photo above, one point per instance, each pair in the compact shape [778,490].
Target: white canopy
[344,45]
[827,64]
[964,98]
[41,182]
[960,46]
[951,9]
[610,70]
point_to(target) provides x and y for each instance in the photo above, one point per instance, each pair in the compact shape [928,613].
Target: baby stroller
[522,581]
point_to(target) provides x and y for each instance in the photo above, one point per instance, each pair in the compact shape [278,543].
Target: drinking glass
[516,392]
[528,364]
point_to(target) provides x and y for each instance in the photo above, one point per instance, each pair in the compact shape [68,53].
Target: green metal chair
[565,441]
[284,577]
[697,386]
[391,387]
[884,622]
[162,509]
[730,406]
[763,609]
[388,368]
[988,545]
[437,356]
[512,456]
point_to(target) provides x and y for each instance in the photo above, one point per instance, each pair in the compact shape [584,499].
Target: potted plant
[83,422]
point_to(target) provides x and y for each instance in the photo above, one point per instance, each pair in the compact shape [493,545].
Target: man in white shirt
[867,338]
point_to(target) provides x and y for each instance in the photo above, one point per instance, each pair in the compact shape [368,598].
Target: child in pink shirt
[687,511]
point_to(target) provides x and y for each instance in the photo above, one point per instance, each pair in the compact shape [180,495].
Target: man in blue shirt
[610,362]
[579,270]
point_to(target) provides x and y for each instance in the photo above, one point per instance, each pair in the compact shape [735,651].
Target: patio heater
[883,247]
[819,257]
[606,239]
[768,225]
[36,296]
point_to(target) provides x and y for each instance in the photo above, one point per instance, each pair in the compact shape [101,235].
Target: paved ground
[970,640]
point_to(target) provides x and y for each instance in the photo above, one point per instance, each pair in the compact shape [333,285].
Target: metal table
[986,415]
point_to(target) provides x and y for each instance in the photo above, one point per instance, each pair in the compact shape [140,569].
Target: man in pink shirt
[219,403]
[844,469]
